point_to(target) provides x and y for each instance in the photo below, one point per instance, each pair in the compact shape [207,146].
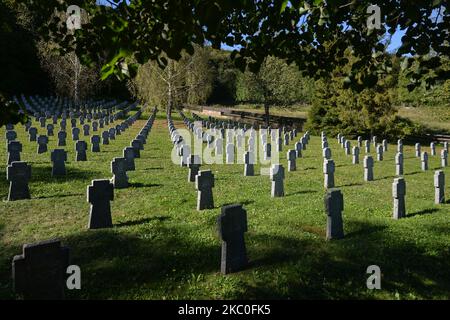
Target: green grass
[288,111]
[161,248]
[435,118]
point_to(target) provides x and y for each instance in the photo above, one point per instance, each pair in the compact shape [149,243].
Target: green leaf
[283,5]
[318,2]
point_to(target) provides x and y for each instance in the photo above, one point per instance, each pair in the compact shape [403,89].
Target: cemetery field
[161,247]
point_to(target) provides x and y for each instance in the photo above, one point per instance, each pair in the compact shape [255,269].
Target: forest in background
[209,77]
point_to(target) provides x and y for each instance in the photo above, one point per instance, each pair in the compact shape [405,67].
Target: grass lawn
[435,118]
[300,111]
[162,248]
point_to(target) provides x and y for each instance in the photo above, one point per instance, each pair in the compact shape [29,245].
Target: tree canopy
[314,34]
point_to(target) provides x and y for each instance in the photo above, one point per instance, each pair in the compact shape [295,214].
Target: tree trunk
[266,114]
[169,92]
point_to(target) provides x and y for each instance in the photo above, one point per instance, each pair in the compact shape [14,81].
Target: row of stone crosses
[204,180]
[19,172]
[47,106]
[328,166]
[40,271]
[42,140]
[32,269]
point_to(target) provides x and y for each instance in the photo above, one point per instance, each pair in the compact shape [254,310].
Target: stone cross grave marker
[136,145]
[194,163]
[42,144]
[334,205]
[86,129]
[75,134]
[347,147]
[444,158]
[39,272]
[398,193]
[58,158]
[112,133]
[355,155]
[328,170]
[367,146]
[99,195]
[232,225]
[326,153]
[119,171]
[219,146]
[14,150]
[424,161]
[379,149]
[417,148]
[128,154]
[105,137]
[229,153]
[439,187]
[249,164]
[432,148]
[368,168]
[18,174]
[10,135]
[118,130]
[42,121]
[50,130]
[80,149]
[277,177]
[185,152]
[95,142]
[204,182]
[298,149]
[399,164]
[32,132]
[62,135]
[292,157]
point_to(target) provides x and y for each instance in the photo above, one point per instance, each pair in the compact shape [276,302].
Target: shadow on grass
[117,264]
[352,185]
[309,168]
[59,196]
[386,177]
[364,230]
[244,203]
[308,269]
[144,185]
[148,169]
[345,165]
[301,192]
[422,212]
[141,221]
[44,174]
[412,173]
